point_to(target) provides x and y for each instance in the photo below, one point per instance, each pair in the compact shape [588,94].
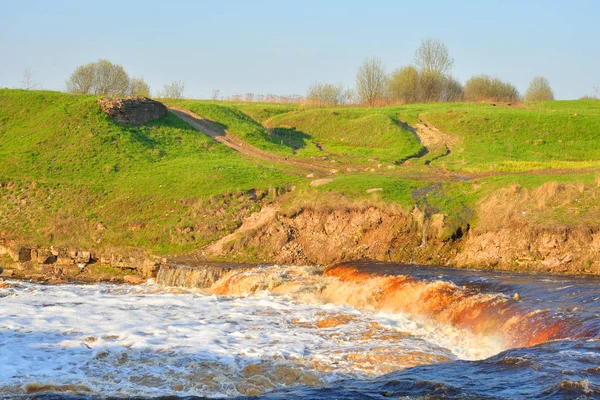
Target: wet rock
[133,110]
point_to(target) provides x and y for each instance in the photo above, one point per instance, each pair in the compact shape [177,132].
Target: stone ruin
[133,110]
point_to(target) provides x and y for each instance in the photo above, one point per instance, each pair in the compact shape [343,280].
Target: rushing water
[366,330]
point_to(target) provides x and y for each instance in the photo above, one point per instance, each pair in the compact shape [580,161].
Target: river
[359,330]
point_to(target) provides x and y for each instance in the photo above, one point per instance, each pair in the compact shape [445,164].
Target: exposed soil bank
[311,236]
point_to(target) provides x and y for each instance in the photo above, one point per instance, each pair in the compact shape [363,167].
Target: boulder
[133,110]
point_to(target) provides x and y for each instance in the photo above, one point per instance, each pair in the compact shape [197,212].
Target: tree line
[103,78]
[427,79]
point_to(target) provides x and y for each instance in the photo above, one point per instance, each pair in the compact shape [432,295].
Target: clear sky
[282,46]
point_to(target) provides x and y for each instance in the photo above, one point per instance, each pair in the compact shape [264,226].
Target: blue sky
[281,47]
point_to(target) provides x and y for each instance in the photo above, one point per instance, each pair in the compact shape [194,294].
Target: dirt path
[254,221]
[216,132]
[432,138]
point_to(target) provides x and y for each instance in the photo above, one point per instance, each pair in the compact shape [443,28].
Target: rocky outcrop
[42,263]
[133,110]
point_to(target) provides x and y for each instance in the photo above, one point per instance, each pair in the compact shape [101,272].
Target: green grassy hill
[515,138]
[70,176]
[65,167]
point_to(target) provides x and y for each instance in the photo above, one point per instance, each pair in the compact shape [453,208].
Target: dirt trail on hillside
[432,138]
[254,221]
[302,167]
[217,133]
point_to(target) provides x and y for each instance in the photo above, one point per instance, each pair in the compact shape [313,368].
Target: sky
[281,47]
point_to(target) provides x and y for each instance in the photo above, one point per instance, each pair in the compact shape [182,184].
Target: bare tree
[431,86]
[370,82]
[432,57]
[452,90]
[327,94]
[215,94]
[27,82]
[173,90]
[139,88]
[539,90]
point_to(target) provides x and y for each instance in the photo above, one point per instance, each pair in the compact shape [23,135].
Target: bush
[327,94]
[485,88]
[403,85]
[104,78]
[539,90]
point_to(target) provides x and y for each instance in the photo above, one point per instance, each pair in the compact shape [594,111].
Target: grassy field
[71,176]
[523,137]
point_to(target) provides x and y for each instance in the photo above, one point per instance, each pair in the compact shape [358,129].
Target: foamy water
[147,340]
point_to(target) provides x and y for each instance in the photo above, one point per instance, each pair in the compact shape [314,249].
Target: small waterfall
[198,276]
[491,314]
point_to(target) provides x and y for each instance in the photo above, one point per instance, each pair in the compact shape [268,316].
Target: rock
[133,110]
[310,175]
[7,273]
[133,279]
[373,190]
[319,182]
[63,257]
[45,257]
[21,255]
[334,171]
[150,268]
[100,226]
[83,257]
[517,297]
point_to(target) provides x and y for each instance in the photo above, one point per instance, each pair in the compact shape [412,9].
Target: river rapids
[358,330]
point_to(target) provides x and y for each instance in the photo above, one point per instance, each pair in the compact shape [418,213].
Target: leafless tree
[432,57]
[215,94]
[452,90]
[27,82]
[370,82]
[173,90]
[327,94]
[539,90]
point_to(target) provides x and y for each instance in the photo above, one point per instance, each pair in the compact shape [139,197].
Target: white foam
[121,340]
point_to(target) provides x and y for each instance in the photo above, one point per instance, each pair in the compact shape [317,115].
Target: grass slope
[67,171]
[65,166]
[559,134]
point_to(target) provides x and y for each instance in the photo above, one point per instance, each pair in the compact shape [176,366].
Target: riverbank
[463,185]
